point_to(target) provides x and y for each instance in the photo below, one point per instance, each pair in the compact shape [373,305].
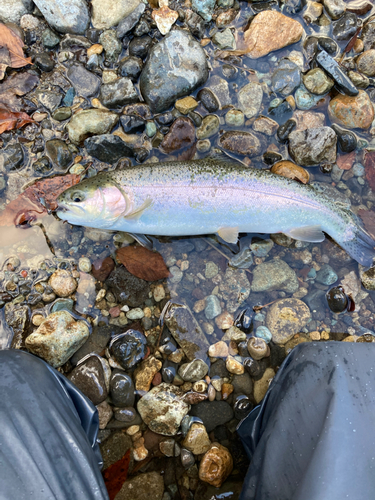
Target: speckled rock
[243,143]
[216,465]
[270,30]
[197,440]
[261,386]
[213,307]
[175,67]
[313,146]
[145,372]
[193,371]
[108,13]
[317,82]
[162,409]
[367,277]
[90,122]
[250,99]
[57,338]
[118,94]
[308,119]
[235,288]
[335,8]
[62,283]
[285,318]
[105,414]
[204,8]
[274,275]
[147,486]
[66,16]
[265,125]
[11,11]
[352,112]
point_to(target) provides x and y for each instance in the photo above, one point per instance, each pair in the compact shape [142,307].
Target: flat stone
[212,413]
[147,486]
[175,67]
[313,146]
[224,39]
[291,170]
[285,318]
[59,153]
[308,119]
[85,83]
[90,379]
[90,122]
[118,93]
[108,13]
[57,338]
[162,409]
[270,30]
[274,275]
[286,77]
[193,371]
[130,20]
[250,99]
[239,142]
[265,125]
[107,148]
[66,16]
[180,135]
[213,307]
[216,465]
[352,112]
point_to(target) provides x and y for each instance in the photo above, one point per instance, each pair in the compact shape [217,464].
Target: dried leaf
[370,168]
[13,119]
[28,206]
[14,44]
[4,61]
[19,84]
[143,263]
[102,268]
[368,218]
[115,475]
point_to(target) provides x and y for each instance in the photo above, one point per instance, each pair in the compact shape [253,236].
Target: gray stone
[118,93]
[213,307]
[235,288]
[317,82]
[274,275]
[147,486]
[250,99]
[335,8]
[326,275]
[286,77]
[90,122]
[11,157]
[204,8]
[50,39]
[11,11]
[162,409]
[128,22]
[224,39]
[111,45]
[212,413]
[193,371]
[66,16]
[59,153]
[313,146]
[108,13]
[97,341]
[48,99]
[114,448]
[85,83]
[175,67]
[107,147]
[242,384]
[220,89]
[261,248]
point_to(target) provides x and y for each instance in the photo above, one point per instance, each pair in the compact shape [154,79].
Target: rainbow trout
[210,196]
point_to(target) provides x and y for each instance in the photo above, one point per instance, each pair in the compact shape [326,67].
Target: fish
[212,195]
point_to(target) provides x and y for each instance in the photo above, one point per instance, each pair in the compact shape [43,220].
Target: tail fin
[362,246]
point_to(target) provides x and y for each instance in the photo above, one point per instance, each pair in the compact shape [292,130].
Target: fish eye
[77,196]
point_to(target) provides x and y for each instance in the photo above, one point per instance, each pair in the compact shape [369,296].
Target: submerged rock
[285,318]
[107,147]
[243,143]
[317,82]
[250,99]
[90,122]
[286,77]
[366,62]
[274,275]
[313,146]
[352,112]
[119,93]
[85,83]
[175,67]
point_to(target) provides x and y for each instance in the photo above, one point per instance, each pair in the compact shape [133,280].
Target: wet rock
[59,153]
[62,283]
[140,46]
[213,307]
[212,413]
[284,130]
[359,80]
[105,414]
[128,348]
[128,416]
[305,99]
[144,374]
[50,39]
[90,122]
[326,275]
[118,93]
[368,35]
[197,440]
[97,341]
[265,125]
[218,350]
[114,448]
[224,39]
[366,62]
[367,280]
[235,288]
[42,166]
[235,118]
[243,143]
[258,348]
[57,338]
[44,62]
[122,389]
[50,100]
[11,157]
[286,77]
[280,110]
[131,67]
[359,7]
[130,20]
[220,89]
[274,275]
[11,11]
[89,378]
[250,99]
[128,289]
[352,112]
[216,465]
[149,485]
[263,332]
[308,119]
[345,27]
[193,371]
[107,147]
[261,386]
[186,105]
[162,409]
[62,114]
[270,30]
[313,146]
[234,366]
[333,68]
[317,82]
[209,127]
[346,139]
[85,83]
[65,16]
[208,99]
[108,13]
[285,318]
[312,12]
[16,318]
[175,67]
[335,8]
[291,170]
[132,124]
[180,135]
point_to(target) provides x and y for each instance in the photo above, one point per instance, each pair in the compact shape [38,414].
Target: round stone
[84,264]
[216,465]
[366,63]
[317,82]
[258,348]
[197,440]
[122,389]
[235,118]
[285,318]
[193,371]
[352,112]
[62,283]
[263,332]
[234,366]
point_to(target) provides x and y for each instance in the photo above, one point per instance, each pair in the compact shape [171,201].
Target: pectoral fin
[136,214]
[229,234]
[312,234]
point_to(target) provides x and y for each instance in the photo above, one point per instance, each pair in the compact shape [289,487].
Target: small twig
[259,308]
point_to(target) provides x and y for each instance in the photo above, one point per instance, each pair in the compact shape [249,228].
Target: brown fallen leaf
[14,44]
[368,219]
[4,61]
[370,168]
[13,119]
[115,475]
[19,83]
[143,263]
[28,206]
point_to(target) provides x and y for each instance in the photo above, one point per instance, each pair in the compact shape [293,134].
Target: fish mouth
[64,209]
